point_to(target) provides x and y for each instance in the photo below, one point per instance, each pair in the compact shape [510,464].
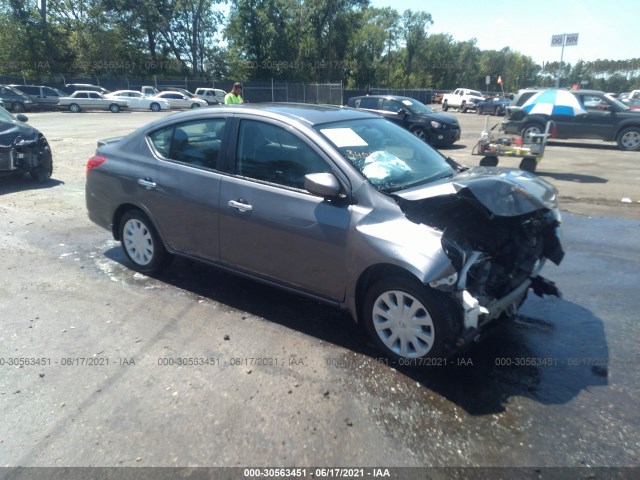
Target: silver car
[339,205]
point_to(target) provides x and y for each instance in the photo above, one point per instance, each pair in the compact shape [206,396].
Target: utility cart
[531,151]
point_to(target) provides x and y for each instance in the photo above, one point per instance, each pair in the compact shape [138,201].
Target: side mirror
[322,184]
[403,111]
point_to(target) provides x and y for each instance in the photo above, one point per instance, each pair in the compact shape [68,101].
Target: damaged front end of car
[498,229]
[19,155]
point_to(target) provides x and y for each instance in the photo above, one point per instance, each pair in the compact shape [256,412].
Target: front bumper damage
[499,227]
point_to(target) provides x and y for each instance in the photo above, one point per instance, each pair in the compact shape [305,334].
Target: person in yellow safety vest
[234,96]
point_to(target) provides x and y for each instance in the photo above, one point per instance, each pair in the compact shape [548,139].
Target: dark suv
[606,119]
[15,100]
[432,127]
[43,97]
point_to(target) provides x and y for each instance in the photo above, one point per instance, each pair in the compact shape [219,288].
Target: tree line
[309,41]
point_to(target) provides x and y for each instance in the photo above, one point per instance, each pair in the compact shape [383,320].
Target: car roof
[308,114]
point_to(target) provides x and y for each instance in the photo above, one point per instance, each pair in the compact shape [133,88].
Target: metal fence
[255,92]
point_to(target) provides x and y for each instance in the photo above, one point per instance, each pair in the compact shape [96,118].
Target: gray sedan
[339,205]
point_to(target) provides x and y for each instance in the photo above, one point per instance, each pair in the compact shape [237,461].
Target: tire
[528,164]
[43,172]
[74,108]
[445,106]
[424,327]
[531,129]
[478,110]
[463,107]
[195,105]
[17,107]
[497,112]
[629,139]
[114,108]
[421,133]
[142,244]
[155,107]
[489,162]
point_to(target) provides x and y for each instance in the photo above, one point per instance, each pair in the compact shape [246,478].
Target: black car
[44,98]
[15,100]
[23,149]
[432,127]
[493,106]
[606,119]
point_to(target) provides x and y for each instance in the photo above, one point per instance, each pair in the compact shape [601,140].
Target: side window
[272,154]
[371,103]
[390,106]
[82,95]
[194,143]
[49,92]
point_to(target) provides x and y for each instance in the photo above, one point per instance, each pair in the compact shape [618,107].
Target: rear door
[269,225]
[182,191]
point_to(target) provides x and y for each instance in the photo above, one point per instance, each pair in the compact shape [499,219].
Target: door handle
[147,183]
[240,205]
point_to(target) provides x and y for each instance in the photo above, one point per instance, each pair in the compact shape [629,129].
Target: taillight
[94,162]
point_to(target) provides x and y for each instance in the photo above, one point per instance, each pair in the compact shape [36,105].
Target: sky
[607,30]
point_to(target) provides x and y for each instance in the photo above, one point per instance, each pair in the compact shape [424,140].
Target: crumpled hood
[504,192]
[10,130]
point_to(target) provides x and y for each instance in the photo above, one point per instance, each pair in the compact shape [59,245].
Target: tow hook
[541,286]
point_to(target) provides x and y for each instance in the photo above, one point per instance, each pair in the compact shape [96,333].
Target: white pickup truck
[461,98]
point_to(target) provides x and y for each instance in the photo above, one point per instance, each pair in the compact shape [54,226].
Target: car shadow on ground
[573,177]
[19,183]
[590,146]
[550,353]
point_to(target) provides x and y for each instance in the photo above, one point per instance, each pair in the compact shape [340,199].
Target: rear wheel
[409,321]
[141,243]
[629,139]
[531,129]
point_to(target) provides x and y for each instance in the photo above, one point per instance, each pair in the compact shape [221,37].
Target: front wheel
[195,105]
[408,321]
[421,133]
[445,106]
[17,107]
[497,111]
[629,139]
[43,171]
[528,164]
[74,108]
[463,107]
[114,108]
[142,244]
[155,107]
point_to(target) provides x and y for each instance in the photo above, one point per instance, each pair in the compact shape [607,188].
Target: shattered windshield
[390,157]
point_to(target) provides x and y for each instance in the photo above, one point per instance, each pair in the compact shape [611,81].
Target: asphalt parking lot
[200,368]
